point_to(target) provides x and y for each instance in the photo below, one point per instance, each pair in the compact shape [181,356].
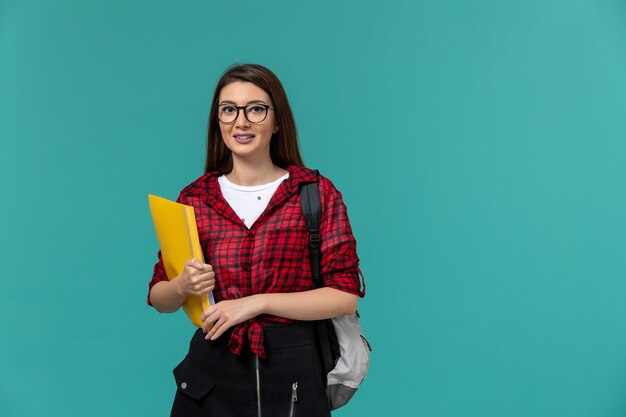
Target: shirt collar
[208,185]
[208,189]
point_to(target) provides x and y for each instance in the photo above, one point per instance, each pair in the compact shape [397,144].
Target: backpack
[344,350]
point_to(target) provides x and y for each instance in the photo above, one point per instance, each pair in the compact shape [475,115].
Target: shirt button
[183,385]
[246,267]
[258,198]
[250,234]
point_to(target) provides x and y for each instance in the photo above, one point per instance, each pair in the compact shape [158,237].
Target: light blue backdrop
[479,145]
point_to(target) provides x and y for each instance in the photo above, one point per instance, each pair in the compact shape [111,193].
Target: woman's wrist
[259,303]
[178,287]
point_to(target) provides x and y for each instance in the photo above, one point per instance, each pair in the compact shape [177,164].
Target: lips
[244,138]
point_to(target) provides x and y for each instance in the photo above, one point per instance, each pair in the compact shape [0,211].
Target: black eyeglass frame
[245,112]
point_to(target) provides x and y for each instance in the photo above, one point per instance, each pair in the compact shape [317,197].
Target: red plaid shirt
[273,255]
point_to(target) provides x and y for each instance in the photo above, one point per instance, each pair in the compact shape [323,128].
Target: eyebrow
[247,104]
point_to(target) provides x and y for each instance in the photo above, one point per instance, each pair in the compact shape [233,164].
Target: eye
[256,109]
[228,109]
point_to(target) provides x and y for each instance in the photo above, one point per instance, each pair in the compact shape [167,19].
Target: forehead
[242,92]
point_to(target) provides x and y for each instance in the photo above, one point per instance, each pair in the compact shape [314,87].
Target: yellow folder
[176,229]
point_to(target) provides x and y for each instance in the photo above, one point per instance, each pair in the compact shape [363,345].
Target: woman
[255,353]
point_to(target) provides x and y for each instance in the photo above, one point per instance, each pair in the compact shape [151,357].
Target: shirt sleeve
[340,263]
[157,276]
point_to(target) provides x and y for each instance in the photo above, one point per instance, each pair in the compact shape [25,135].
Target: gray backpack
[344,350]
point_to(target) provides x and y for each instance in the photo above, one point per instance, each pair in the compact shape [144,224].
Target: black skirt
[212,381]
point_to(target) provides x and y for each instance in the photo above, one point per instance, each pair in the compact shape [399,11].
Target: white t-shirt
[248,201]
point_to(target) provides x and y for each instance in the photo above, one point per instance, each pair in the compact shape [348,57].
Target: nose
[241,119]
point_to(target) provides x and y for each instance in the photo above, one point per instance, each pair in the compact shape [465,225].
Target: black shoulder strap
[312,210]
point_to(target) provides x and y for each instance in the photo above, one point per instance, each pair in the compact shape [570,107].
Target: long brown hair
[284,147]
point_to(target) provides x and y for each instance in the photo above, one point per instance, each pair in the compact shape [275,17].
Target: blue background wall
[479,146]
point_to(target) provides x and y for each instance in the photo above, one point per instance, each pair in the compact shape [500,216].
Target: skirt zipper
[294,398]
[258,386]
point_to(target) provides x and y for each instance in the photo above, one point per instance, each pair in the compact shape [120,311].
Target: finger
[194,263]
[206,313]
[207,287]
[210,279]
[220,330]
[207,325]
[201,287]
[207,273]
[192,272]
[209,311]
[208,283]
[199,280]
[210,276]
[210,331]
[216,327]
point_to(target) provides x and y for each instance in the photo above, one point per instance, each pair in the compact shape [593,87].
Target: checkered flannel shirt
[273,255]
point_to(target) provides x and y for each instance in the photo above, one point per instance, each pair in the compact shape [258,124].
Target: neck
[247,172]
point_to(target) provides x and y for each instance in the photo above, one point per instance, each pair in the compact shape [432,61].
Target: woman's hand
[317,304]
[228,313]
[196,279]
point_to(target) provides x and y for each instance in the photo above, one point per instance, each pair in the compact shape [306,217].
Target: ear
[276,127]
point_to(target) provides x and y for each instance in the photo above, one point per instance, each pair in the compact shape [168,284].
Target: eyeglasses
[254,113]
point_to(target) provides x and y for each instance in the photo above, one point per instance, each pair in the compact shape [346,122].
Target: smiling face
[247,140]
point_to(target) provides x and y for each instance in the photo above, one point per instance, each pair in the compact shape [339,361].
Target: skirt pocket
[192,382]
